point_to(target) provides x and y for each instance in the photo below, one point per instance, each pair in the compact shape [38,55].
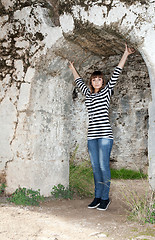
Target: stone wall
[42,114]
[33,122]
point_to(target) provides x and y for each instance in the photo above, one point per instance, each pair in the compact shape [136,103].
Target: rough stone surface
[34,136]
[98,27]
[42,114]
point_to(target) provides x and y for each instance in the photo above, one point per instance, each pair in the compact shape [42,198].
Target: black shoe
[104,204]
[95,203]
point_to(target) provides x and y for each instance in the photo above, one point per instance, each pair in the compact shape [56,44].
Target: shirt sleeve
[82,86]
[114,77]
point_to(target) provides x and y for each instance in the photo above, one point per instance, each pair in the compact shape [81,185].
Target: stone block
[24,97]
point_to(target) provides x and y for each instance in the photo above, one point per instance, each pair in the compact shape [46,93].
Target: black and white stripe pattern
[98,107]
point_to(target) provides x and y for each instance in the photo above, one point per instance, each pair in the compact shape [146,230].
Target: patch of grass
[150,216]
[61,192]
[143,235]
[81,179]
[141,206]
[148,232]
[23,196]
[127,174]
[2,189]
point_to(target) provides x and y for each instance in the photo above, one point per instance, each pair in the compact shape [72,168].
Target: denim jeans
[99,152]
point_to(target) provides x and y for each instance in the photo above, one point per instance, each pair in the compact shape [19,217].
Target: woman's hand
[72,68]
[128,50]
[71,65]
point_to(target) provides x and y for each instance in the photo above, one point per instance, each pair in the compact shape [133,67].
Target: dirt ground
[72,220]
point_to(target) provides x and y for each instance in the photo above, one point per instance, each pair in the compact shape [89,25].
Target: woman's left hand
[129,50]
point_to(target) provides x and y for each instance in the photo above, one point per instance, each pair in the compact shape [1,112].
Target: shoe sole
[94,206]
[101,209]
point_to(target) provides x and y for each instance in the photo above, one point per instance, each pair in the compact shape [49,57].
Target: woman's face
[97,83]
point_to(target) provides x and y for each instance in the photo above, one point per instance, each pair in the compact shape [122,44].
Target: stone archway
[37,83]
[97,26]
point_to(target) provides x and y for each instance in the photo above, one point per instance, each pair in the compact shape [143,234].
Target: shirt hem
[90,138]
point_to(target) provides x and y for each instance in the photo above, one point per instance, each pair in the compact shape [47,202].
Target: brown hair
[94,75]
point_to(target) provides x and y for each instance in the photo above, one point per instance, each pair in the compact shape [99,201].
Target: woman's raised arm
[72,68]
[126,53]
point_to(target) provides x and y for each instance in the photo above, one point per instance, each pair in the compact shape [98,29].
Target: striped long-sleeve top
[98,107]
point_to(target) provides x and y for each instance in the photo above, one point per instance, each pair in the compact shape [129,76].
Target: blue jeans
[99,152]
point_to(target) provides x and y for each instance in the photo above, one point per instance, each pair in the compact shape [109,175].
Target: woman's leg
[93,149]
[105,147]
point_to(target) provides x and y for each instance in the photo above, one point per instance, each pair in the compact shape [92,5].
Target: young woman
[100,136]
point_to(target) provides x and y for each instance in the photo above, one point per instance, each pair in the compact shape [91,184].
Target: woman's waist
[98,120]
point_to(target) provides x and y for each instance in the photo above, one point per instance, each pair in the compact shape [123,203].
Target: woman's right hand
[71,65]
[75,73]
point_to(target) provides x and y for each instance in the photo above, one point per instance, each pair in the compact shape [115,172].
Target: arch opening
[125,22]
[129,104]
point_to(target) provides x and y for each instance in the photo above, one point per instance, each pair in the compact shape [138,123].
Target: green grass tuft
[2,188]
[23,196]
[127,174]
[82,181]
[141,206]
[60,191]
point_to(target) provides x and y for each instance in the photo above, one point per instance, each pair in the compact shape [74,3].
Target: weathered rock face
[42,113]
[33,119]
